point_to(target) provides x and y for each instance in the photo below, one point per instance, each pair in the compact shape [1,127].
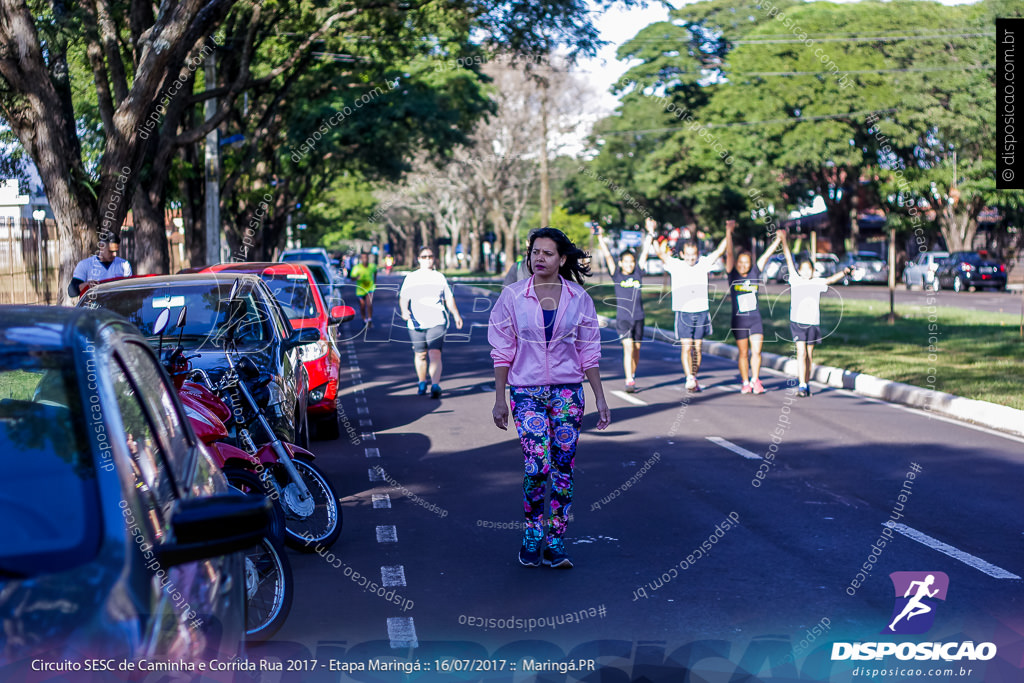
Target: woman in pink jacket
[545,341]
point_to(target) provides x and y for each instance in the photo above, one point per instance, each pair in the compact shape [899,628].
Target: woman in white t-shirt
[804,312]
[423,300]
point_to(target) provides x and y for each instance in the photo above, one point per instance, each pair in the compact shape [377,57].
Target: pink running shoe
[757,387]
[746,388]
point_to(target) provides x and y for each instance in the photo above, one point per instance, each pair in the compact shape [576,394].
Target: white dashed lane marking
[387,533]
[381,500]
[957,554]
[368,436]
[374,474]
[372,452]
[628,398]
[402,632]
[392,576]
[739,450]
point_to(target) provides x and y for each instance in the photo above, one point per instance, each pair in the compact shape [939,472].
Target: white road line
[392,576]
[946,549]
[362,410]
[360,400]
[368,436]
[387,533]
[739,450]
[366,422]
[402,632]
[726,387]
[381,500]
[372,452]
[374,474]
[628,398]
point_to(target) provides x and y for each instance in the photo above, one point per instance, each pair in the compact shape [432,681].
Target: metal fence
[29,262]
[30,259]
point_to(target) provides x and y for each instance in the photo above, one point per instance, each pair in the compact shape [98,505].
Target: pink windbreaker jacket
[516,333]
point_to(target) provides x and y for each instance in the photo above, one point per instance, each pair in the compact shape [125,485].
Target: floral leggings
[548,420]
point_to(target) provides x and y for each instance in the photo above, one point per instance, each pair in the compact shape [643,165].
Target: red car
[294,287]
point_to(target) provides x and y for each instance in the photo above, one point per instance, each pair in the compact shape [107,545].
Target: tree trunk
[150,248]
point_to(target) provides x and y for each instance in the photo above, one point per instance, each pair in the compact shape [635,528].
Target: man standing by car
[365,275]
[104,265]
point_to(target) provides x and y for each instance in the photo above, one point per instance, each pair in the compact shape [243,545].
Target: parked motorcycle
[313,518]
[268,574]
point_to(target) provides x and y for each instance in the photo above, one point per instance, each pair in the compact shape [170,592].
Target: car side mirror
[215,525]
[307,335]
[342,314]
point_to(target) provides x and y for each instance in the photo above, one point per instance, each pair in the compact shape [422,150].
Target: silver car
[921,271]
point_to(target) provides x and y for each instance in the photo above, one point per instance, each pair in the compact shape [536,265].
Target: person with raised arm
[628,276]
[805,312]
[690,300]
[747,327]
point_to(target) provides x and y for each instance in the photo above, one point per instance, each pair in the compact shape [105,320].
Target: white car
[921,271]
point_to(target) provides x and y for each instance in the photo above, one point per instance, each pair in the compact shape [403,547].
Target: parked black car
[260,327]
[970,270]
[119,537]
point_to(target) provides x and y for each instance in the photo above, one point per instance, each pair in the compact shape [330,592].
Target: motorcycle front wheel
[314,523]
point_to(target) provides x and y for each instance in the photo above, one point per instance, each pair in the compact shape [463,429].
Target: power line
[861,71]
[822,117]
[864,39]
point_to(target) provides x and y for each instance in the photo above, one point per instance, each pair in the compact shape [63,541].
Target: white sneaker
[691,382]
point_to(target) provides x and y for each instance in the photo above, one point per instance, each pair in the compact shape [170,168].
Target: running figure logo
[916,596]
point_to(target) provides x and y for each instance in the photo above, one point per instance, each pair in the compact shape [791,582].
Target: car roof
[54,327]
[182,279]
[260,267]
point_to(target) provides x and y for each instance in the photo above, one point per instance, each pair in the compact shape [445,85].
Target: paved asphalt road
[432,493]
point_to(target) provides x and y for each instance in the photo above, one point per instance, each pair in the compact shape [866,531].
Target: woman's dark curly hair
[572,269]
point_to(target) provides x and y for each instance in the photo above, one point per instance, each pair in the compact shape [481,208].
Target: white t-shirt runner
[689,284]
[426,290]
[805,296]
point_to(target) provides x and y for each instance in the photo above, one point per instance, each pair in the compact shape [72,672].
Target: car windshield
[209,316]
[971,258]
[49,499]
[867,256]
[294,293]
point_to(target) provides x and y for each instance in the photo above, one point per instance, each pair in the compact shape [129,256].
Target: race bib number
[746,302]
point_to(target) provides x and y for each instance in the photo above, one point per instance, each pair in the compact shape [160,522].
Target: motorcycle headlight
[311,352]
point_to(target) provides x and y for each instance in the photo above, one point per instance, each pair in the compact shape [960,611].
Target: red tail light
[1002,267]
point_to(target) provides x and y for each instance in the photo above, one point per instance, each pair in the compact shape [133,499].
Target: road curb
[982,413]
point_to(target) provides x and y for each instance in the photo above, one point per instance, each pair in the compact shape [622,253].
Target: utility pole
[545,179]
[212,170]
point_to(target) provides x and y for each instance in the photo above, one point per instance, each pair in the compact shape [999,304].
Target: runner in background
[423,301]
[628,276]
[805,313]
[365,275]
[690,300]
[747,327]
